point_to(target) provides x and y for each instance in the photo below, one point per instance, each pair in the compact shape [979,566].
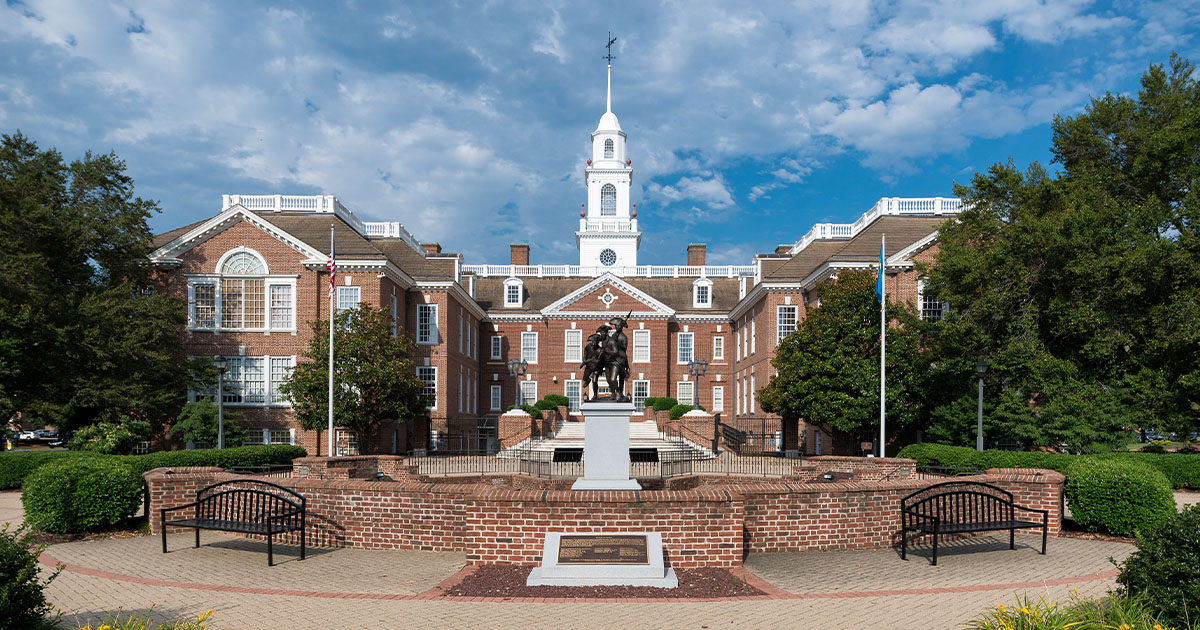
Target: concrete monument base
[584,561]
[606,447]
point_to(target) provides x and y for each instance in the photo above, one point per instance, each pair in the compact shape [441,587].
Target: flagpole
[882,351]
[332,274]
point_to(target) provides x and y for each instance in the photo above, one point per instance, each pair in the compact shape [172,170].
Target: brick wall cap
[515,412]
[697,413]
[181,472]
[1027,474]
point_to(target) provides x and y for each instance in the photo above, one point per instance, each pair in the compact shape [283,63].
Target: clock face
[608,258]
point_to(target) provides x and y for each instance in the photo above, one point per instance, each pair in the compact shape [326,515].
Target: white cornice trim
[169,254]
[607,315]
[514,317]
[372,264]
[702,317]
[609,278]
[905,255]
[457,291]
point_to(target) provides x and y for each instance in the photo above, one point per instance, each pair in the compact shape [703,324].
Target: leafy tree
[829,368]
[82,335]
[111,438]
[1081,289]
[374,379]
[198,423]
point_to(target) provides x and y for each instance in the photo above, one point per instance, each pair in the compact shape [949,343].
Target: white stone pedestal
[606,447]
[651,572]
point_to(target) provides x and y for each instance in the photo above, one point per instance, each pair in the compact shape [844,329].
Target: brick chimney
[783,249]
[432,249]
[520,254]
[696,254]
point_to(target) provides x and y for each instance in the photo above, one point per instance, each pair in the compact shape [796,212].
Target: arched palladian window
[608,148]
[241,295]
[608,201]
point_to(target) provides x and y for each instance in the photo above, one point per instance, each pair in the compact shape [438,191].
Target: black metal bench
[244,506]
[959,507]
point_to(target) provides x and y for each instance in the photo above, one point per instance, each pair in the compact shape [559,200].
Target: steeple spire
[608,99]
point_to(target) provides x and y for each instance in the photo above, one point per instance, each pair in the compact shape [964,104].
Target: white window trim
[680,384]
[347,289]
[534,336]
[718,353]
[679,347]
[496,397]
[520,293]
[641,333]
[434,332]
[718,401]
[214,279]
[461,332]
[497,348]
[566,386]
[270,385]
[578,345]
[753,334]
[780,309]
[633,391]
[921,303]
[435,387]
[702,282]
[521,385]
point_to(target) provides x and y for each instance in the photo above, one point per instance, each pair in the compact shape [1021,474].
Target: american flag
[332,267]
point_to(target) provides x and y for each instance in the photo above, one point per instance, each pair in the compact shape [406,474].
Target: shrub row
[1120,497]
[81,494]
[15,467]
[1181,470]
[661,403]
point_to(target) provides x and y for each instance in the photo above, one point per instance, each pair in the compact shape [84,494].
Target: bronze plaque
[603,549]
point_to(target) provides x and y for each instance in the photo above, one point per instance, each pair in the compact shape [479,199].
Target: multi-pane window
[242,303]
[497,392]
[608,201]
[205,313]
[718,398]
[461,391]
[348,298]
[573,346]
[529,346]
[718,348]
[684,346]
[752,388]
[932,309]
[280,436]
[608,148]
[513,290]
[573,390]
[281,306]
[253,380]
[641,346]
[753,334]
[702,293]
[254,437]
[641,391]
[345,442]
[428,375]
[497,344]
[461,333]
[395,311]
[427,331]
[785,321]
[684,392]
[528,392]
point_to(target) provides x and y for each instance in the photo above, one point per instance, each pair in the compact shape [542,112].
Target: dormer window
[608,149]
[702,293]
[514,293]
[608,201]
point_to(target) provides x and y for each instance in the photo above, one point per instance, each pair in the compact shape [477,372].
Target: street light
[980,371]
[220,362]
[696,369]
[518,368]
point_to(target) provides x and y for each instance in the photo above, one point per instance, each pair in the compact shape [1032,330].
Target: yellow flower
[1123,626]
[1000,607]
[1157,627]
[1025,611]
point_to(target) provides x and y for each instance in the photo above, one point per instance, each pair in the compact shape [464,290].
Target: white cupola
[608,236]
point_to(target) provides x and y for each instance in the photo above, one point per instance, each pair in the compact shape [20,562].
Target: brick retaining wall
[503,519]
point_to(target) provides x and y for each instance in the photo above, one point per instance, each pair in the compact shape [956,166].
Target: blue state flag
[879,279]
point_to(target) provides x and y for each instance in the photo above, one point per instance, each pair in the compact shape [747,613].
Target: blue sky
[469,122]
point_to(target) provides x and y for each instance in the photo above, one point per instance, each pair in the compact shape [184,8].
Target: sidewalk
[354,588]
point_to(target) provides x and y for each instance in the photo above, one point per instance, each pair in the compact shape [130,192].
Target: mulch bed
[1071,529]
[128,528]
[509,581]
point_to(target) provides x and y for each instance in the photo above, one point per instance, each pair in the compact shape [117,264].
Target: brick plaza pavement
[353,588]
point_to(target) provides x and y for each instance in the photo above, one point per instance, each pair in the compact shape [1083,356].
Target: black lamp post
[220,363]
[696,369]
[980,371]
[518,368]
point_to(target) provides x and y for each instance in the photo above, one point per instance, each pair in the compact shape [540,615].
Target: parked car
[56,443]
[46,433]
[26,436]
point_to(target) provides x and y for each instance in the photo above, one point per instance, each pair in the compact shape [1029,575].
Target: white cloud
[708,188]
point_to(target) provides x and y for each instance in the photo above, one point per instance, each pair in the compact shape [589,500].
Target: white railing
[322,204]
[608,225]
[887,206]
[583,271]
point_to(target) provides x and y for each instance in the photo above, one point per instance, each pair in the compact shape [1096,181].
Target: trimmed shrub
[82,494]
[558,400]
[111,438]
[225,458]
[678,410]
[22,602]
[533,411]
[664,403]
[15,467]
[1165,570]
[1118,497]
[545,405]
[648,403]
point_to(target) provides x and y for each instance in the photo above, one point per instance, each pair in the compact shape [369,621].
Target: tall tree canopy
[828,370]
[82,336]
[373,375]
[1082,288]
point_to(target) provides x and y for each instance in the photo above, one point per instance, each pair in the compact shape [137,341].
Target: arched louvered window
[608,148]
[608,201]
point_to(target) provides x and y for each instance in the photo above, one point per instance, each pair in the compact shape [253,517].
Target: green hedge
[664,403]
[1165,570]
[558,400]
[78,495]
[1181,470]
[15,467]
[1119,497]
[22,600]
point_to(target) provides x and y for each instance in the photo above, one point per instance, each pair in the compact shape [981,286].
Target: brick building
[254,277]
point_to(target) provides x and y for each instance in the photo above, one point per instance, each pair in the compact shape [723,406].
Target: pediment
[171,252]
[608,295]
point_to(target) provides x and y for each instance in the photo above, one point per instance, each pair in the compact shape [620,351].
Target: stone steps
[642,435]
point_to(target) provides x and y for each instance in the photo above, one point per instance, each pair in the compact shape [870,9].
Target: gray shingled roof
[542,292]
[864,247]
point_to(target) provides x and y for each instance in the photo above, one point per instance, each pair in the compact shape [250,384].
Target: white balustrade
[887,206]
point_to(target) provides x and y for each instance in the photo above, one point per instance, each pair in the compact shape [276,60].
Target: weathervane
[611,40]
